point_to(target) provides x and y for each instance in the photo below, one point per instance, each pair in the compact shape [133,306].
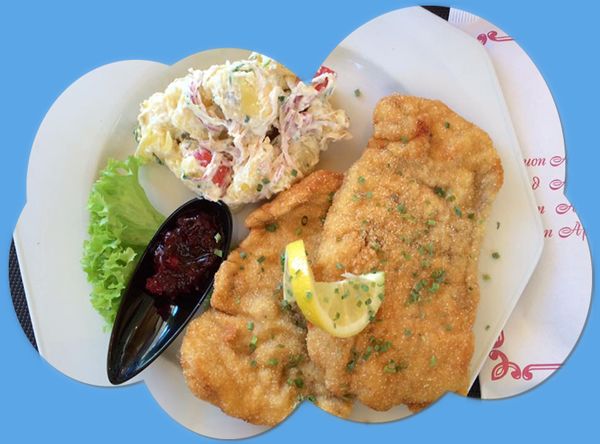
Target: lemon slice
[343,308]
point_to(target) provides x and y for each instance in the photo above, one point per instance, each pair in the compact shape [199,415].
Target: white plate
[421,55]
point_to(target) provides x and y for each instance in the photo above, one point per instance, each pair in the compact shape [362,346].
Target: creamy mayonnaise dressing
[241,131]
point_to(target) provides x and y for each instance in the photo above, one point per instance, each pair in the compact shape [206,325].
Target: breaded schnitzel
[412,206]
[247,353]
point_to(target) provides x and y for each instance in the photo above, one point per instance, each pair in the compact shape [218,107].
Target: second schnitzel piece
[414,206]
[247,353]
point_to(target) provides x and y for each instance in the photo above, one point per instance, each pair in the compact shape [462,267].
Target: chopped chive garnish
[439,191]
[487,327]
[218,252]
[253,363]
[273,361]
[259,187]
[497,225]
[309,295]
[361,179]
[380,296]
[364,287]
[431,222]
[369,194]
[486,277]
[253,342]
[407,332]
[404,139]
[446,124]
[294,173]
[471,216]
[261,259]
[433,361]
[250,325]
[339,266]
[458,211]
[299,383]
[218,237]
[401,208]
[265,181]
[243,254]
[368,301]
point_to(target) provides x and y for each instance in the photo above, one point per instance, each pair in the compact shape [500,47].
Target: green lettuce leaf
[122,223]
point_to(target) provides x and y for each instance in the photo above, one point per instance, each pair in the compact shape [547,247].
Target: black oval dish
[145,325]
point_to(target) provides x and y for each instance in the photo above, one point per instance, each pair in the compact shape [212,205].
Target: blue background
[46,47]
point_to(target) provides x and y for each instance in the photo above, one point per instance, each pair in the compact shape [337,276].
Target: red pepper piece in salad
[203,157]
[322,70]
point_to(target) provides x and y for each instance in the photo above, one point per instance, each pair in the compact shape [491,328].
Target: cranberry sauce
[186,257]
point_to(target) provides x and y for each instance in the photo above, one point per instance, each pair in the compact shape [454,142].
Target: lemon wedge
[343,308]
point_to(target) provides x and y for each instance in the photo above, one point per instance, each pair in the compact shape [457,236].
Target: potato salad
[241,131]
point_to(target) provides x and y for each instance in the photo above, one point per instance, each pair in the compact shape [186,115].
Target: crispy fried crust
[261,386]
[413,206]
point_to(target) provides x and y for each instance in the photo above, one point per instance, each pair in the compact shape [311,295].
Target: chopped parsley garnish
[361,179]
[294,173]
[446,124]
[273,361]
[298,382]
[458,211]
[271,227]
[431,222]
[401,208]
[253,363]
[496,255]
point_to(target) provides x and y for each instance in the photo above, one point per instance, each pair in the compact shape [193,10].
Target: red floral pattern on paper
[494,37]
[506,366]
